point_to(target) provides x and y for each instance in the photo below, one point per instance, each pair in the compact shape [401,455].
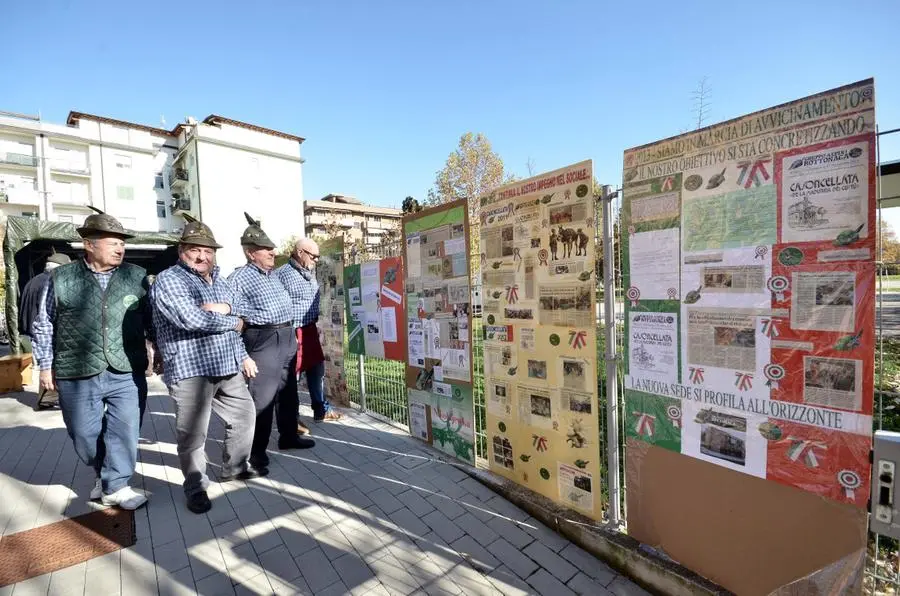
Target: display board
[750,276]
[748,265]
[540,345]
[376,309]
[439,329]
[330,275]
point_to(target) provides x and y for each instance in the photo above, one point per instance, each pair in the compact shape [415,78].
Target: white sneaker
[97,491]
[125,498]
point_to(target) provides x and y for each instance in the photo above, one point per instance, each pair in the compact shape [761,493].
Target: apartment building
[356,220]
[214,169]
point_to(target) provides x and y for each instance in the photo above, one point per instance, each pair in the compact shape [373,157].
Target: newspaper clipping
[825,192]
[724,338]
[823,301]
[832,382]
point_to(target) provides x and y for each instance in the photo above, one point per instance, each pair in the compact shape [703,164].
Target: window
[125,193]
[123,162]
[161,209]
[159,184]
[65,218]
[376,219]
[32,214]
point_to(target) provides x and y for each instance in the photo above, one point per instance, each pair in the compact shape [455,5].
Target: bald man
[299,278]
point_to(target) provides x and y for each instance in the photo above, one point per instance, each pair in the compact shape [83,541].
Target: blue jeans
[315,381]
[102,415]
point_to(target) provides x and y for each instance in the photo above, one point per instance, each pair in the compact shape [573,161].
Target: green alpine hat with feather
[197,233]
[102,224]
[254,235]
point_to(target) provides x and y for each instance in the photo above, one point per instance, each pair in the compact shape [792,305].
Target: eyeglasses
[311,255]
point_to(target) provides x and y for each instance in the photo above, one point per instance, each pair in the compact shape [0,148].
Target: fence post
[361,362]
[612,389]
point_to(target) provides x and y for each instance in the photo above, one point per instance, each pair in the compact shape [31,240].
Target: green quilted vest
[96,330]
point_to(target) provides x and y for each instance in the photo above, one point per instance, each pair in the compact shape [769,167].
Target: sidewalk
[366,511]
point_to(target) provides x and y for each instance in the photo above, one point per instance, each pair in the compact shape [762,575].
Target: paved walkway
[367,511]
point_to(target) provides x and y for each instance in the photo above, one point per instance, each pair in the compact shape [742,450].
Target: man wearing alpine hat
[198,335]
[89,343]
[270,340]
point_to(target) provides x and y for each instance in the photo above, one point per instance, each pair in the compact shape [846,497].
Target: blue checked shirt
[192,341]
[303,289]
[260,295]
[42,328]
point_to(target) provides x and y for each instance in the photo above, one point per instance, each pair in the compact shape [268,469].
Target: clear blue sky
[383,90]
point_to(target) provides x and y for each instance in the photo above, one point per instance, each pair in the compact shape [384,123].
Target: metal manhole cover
[410,463]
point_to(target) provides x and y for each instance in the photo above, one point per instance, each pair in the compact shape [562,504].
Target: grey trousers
[197,397]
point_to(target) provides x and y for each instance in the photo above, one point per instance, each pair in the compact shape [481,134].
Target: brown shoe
[330,416]
[302,429]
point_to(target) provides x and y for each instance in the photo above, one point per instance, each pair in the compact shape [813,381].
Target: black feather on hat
[254,235]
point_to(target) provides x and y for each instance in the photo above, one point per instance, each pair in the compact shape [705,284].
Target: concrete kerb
[619,551]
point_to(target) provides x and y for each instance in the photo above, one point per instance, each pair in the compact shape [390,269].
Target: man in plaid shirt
[298,277]
[198,336]
[270,341]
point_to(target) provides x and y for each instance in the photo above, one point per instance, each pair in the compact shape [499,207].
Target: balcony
[19,196]
[19,159]
[181,204]
[70,167]
[177,177]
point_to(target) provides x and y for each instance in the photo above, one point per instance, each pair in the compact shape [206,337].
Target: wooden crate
[15,372]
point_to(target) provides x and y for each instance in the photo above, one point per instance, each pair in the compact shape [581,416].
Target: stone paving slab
[346,517]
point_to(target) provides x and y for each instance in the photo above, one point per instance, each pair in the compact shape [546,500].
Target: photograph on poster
[723,436]
[575,401]
[503,452]
[741,279]
[540,405]
[832,382]
[575,487]
[574,373]
[537,369]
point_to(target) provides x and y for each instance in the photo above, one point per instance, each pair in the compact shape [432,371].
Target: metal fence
[384,386]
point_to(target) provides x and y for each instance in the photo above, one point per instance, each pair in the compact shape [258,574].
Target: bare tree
[702,97]
[529,165]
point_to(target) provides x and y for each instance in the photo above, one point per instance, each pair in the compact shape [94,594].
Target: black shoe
[295,442]
[199,502]
[248,474]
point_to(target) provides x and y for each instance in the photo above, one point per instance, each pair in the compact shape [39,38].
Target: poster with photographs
[330,277]
[540,347]
[766,288]
[438,325]
[376,309]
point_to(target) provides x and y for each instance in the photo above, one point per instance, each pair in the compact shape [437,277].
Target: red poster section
[823,346]
[393,298]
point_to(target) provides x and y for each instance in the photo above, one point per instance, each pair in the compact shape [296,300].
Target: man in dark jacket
[30,300]
[89,343]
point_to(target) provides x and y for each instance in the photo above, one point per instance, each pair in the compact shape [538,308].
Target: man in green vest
[89,343]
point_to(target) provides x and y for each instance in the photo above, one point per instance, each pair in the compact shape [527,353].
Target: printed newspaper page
[832,382]
[654,260]
[825,192]
[724,338]
[823,301]
[566,305]
[653,347]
